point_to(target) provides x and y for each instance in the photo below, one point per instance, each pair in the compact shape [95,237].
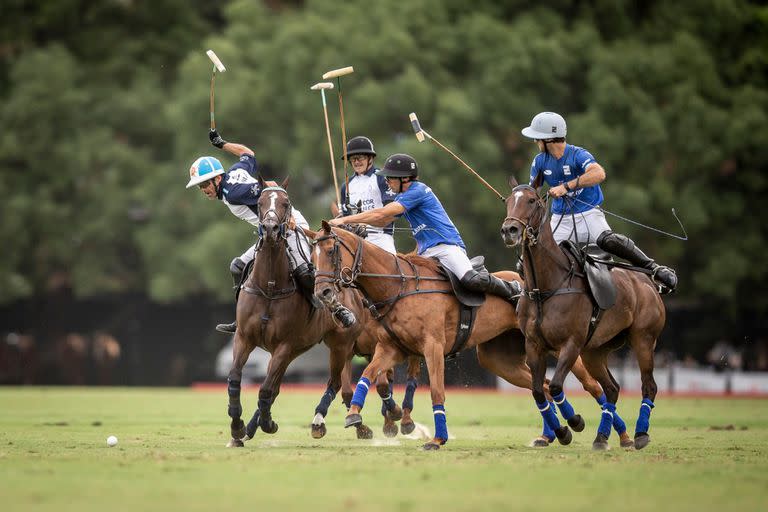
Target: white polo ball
[111,441]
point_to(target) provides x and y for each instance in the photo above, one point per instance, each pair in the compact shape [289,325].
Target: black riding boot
[237,268]
[304,275]
[623,247]
[488,283]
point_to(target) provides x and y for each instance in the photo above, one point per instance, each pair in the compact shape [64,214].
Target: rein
[347,276]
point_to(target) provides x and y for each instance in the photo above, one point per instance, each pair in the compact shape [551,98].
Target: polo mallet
[421,135]
[337,74]
[322,86]
[216,65]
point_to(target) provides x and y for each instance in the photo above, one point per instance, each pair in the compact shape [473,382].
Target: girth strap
[467,317]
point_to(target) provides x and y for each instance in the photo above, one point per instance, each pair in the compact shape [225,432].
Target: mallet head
[338,72]
[322,85]
[216,61]
[416,127]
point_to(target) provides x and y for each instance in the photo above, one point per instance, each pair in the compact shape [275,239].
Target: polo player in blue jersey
[574,177]
[436,235]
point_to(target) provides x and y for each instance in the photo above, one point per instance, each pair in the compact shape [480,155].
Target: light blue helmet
[204,168]
[546,125]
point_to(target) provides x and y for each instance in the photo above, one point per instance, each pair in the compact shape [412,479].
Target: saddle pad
[600,283]
[592,260]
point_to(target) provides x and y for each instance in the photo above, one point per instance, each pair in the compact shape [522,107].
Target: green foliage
[105,107]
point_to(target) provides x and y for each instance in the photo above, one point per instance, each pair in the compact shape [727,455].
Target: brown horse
[422,314]
[273,314]
[557,312]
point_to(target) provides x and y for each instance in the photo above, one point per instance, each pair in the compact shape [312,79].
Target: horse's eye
[531,200]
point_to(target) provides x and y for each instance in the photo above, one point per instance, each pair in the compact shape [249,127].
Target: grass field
[171,456]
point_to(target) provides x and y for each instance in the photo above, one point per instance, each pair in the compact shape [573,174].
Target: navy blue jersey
[429,222]
[240,191]
[573,163]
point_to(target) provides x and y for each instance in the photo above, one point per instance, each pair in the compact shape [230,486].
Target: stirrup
[345,316]
[227,328]
[662,287]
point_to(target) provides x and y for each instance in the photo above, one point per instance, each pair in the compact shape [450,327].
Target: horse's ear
[326,227]
[538,181]
[310,234]
[512,182]
[284,184]
[262,186]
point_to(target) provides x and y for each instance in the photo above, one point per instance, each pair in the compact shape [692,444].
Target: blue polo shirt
[555,171]
[429,222]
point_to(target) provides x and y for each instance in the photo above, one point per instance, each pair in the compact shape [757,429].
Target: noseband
[530,233]
[282,223]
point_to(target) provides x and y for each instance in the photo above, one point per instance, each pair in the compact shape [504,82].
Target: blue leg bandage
[618,424]
[441,425]
[565,408]
[602,400]
[325,402]
[387,404]
[606,419]
[547,411]
[644,418]
[410,389]
[548,432]
[361,391]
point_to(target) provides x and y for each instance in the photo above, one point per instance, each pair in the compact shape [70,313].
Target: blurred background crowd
[113,273]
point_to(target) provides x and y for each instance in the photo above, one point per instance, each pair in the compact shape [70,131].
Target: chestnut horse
[273,314]
[557,312]
[422,315]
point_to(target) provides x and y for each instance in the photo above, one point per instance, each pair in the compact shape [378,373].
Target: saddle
[596,265]
[469,301]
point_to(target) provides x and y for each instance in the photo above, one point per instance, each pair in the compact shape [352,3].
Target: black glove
[216,139]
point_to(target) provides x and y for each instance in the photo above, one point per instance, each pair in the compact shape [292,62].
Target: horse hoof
[363,432]
[318,431]
[407,428]
[269,428]
[238,430]
[431,446]
[353,420]
[564,435]
[625,441]
[600,446]
[390,428]
[235,443]
[395,414]
[540,442]
[641,440]
[576,423]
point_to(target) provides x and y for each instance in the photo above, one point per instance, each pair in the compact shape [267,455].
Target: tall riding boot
[488,283]
[623,247]
[236,268]
[304,275]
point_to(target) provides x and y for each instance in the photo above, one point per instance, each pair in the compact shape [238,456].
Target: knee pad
[477,281]
[237,266]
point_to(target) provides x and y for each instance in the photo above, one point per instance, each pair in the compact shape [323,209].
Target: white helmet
[546,125]
[204,168]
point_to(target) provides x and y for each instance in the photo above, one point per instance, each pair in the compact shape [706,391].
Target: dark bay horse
[557,312]
[274,315]
[422,314]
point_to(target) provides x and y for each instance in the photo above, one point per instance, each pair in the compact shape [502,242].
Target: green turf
[171,456]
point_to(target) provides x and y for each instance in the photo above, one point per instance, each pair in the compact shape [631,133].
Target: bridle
[282,222]
[530,233]
[346,277]
[531,239]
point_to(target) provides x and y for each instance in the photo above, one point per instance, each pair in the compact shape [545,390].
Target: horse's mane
[421,261]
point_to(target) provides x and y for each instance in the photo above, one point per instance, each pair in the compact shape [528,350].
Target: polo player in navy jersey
[240,191]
